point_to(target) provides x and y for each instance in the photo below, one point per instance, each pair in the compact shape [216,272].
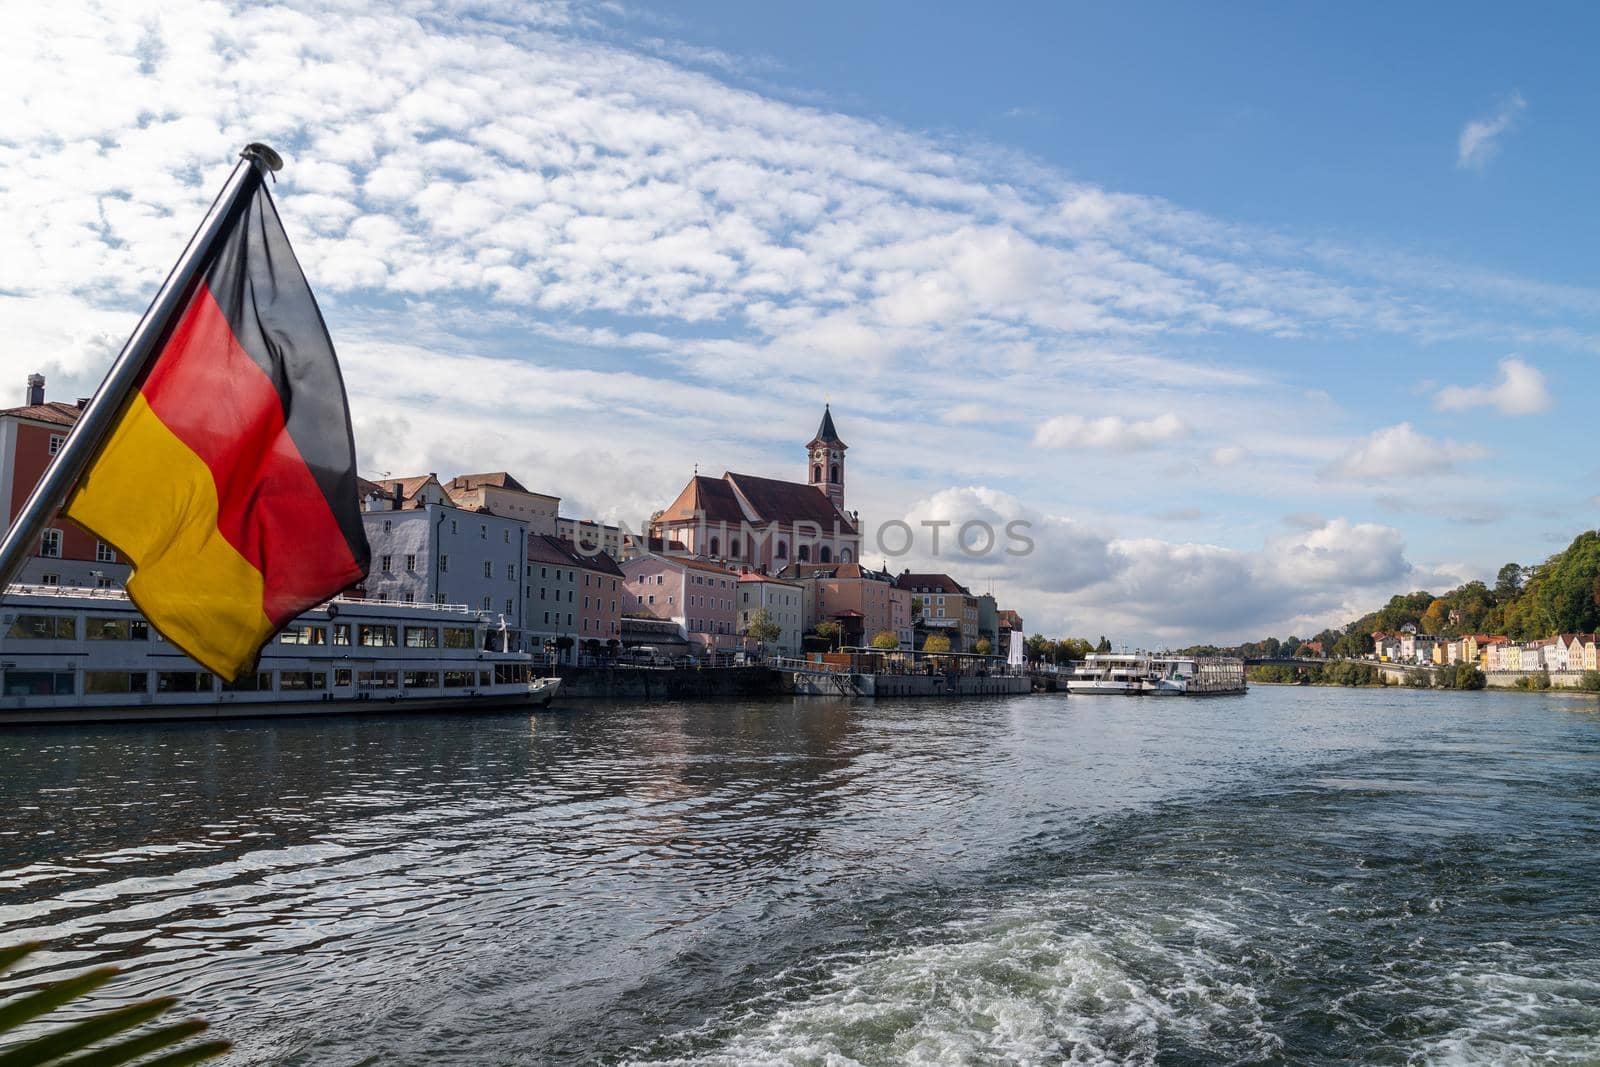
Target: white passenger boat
[1154,674]
[70,654]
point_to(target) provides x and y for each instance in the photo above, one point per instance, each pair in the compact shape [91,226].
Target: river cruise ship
[1155,674]
[70,654]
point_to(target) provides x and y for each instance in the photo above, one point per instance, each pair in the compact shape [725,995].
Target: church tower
[826,455]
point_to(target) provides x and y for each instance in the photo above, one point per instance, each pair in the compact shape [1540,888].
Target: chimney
[35,389]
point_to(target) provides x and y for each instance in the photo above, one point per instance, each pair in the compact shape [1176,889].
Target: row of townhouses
[694,581]
[1563,652]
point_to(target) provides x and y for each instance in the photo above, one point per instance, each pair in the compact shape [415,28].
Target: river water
[1296,875]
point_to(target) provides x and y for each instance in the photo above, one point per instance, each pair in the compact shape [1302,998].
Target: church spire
[826,434]
[825,460]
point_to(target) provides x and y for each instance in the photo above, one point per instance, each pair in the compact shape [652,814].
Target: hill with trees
[1526,602]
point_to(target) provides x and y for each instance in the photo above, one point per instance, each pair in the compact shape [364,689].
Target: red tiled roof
[408,486]
[933,583]
[54,412]
[775,500]
[717,500]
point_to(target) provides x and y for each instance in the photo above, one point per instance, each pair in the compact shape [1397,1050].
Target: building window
[833,473]
[733,548]
[411,562]
[56,441]
[453,526]
[511,572]
[505,535]
[488,569]
[483,532]
[103,553]
[444,563]
[804,555]
[486,603]
[385,564]
[783,550]
[716,546]
[509,607]
[50,544]
[826,555]
[387,526]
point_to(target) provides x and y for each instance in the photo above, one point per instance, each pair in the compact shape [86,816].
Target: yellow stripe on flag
[152,498]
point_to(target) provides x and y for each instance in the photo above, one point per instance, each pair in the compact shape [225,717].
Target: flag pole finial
[263,154]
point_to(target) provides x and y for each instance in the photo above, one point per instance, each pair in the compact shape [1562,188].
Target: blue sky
[1258,312]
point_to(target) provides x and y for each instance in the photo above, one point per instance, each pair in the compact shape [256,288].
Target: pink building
[864,602]
[697,594]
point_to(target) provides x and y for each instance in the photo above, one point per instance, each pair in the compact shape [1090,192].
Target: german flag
[228,480]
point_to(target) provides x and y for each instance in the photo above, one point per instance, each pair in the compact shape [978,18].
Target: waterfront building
[946,606]
[1010,623]
[785,604]
[699,595]
[498,493]
[864,602]
[573,600]
[67,554]
[426,550]
[765,523]
[989,621]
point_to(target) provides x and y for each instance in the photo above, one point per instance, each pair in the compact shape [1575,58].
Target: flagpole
[87,434]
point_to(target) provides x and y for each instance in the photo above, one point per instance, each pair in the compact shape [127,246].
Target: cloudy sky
[1257,314]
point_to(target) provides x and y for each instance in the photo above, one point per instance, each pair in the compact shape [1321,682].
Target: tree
[1036,647]
[1073,648]
[830,632]
[1104,645]
[1435,619]
[885,641]
[983,646]
[1508,582]
[936,643]
[763,628]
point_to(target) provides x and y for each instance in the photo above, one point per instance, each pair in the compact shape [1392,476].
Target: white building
[425,549]
[784,603]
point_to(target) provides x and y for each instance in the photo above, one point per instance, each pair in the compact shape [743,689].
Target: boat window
[373,635]
[115,682]
[341,676]
[302,680]
[483,678]
[378,680]
[43,627]
[183,681]
[39,683]
[303,635]
[260,682]
[341,633]
[422,637]
[458,679]
[422,679]
[510,673]
[458,637]
[116,629]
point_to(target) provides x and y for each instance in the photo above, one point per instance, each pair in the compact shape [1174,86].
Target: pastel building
[946,606]
[426,550]
[30,437]
[592,536]
[766,523]
[864,602]
[498,493]
[574,595]
[698,595]
[784,603]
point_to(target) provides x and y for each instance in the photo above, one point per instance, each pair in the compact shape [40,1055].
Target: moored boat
[1155,674]
[70,654]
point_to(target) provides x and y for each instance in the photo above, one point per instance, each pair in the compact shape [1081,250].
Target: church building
[767,524]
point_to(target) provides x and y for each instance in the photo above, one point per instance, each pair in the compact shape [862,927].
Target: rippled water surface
[1294,875]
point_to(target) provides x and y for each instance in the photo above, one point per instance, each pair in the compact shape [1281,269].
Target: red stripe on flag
[219,402]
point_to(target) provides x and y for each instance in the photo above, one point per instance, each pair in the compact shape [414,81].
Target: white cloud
[1520,390]
[1110,432]
[1480,137]
[1400,452]
[1227,455]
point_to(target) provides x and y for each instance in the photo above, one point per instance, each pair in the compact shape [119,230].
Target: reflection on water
[1303,875]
